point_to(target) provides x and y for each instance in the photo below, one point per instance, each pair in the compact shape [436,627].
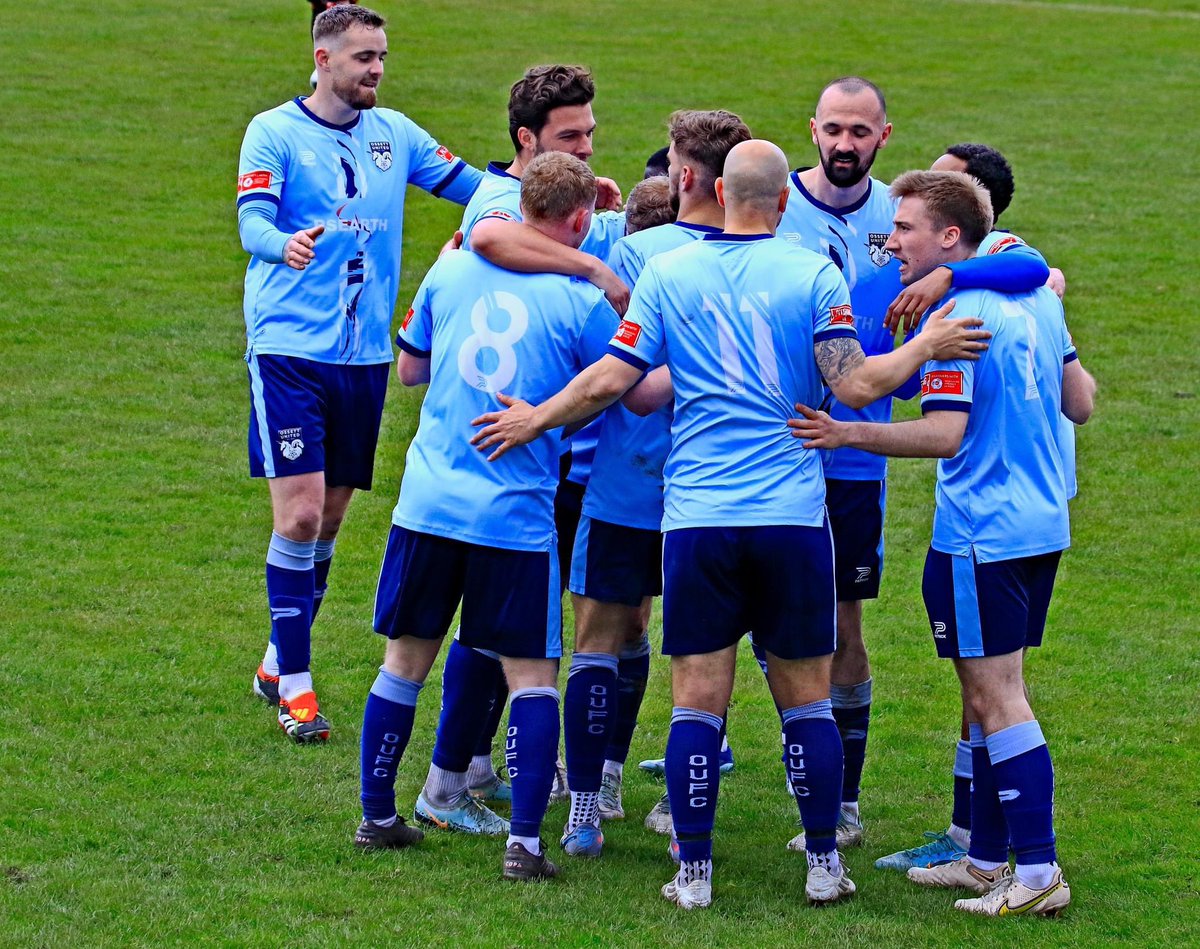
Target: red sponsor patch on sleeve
[628,333]
[444,153]
[502,215]
[407,319]
[253,180]
[1004,243]
[841,314]
[942,382]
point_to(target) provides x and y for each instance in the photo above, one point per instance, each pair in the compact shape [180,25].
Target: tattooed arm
[857,380]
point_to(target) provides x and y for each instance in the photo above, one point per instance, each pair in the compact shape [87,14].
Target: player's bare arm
[594,389]
[1078,392]
[934,435]
[412,370]
[652,392]
[516,246]
[857,380]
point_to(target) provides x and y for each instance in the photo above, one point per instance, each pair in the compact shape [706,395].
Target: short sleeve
[415,336]
[639,338]
[832,313]
[434,168]
[262,165]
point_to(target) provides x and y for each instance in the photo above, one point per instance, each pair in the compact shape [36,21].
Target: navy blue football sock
[989,831]
[530,750]
[290,597]
[693,778]
[633,670]
[322,559]
[812,752]
[587,717]
[387,725]
[852,712]
[491,724]
[963,770]
[1024,779]
[468,689]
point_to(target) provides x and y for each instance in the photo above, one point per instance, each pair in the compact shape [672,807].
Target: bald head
[755,175]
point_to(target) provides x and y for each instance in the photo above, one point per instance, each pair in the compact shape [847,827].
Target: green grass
[147,799]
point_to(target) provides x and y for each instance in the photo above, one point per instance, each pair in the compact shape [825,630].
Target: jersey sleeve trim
[944,405]
[1070,357]
[628,357]
[838,333]
[260,196]
[449,179]
[411,349]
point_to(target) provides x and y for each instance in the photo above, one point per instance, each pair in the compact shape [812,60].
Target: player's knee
[300,521]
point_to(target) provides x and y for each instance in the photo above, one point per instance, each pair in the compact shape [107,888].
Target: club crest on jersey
[381,154]
[880,255]
[291,446]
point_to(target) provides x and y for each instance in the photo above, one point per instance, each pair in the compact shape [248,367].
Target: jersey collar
[702,228]
[722,236]
[299,100]
[500,169]
[821,206]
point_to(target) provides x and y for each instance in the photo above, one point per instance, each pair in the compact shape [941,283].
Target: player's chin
[366,98]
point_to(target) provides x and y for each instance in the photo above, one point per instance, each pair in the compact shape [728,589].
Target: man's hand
[298,251]
[455,243]
[916,298]
[614,288]
[953,339]
[507,429]
[1057,282]
[820,430]
[608,195]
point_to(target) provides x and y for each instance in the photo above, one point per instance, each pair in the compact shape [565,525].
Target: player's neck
[329,108]
[706,213]
[519,164]
[750,222]
[829,194]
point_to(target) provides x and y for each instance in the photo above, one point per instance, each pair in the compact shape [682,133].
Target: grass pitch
[147,799]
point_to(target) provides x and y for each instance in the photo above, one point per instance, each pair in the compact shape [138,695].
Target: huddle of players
[741,506]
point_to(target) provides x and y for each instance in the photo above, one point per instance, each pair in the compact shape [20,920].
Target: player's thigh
[792,607]
[856,510]
[420,584]
[286,434]
[354,409]
[511,602]
[703,595]
[616,564]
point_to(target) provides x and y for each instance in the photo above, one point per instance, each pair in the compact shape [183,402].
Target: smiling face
[848,130]
[355,62]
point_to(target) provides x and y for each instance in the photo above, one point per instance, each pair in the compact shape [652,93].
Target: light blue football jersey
[735,318]
[489,330]
[996,242]
[499,196]
[351,179]
[1004,494]
[853,237]
[626,485]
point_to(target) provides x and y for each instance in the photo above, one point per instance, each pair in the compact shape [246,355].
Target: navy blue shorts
[856,516]
[721,582]
[987,609]
[568,505]
[308,416]
[615,564]
[511,603]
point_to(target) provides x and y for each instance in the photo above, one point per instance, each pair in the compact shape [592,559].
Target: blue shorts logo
[291,445]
